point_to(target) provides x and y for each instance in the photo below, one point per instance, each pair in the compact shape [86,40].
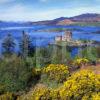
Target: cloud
[16,12]
[6,1]
[20,12]
[43,0]
[97,0]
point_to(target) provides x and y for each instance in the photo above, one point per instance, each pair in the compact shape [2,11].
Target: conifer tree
[26,47]
[8,44]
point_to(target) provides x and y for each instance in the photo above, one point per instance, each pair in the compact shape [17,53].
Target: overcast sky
[36,10]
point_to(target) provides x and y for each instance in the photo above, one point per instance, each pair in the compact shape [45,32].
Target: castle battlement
[66,37]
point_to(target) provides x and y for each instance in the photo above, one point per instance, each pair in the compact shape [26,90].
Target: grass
[87,23]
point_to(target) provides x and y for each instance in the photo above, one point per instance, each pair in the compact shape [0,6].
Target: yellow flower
[56,72]
[79,84]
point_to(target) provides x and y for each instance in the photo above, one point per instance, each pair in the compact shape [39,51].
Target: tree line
[25,45]
[41,56]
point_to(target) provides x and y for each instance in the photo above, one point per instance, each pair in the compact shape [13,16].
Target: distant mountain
[49,22]
[86,18]
[89,17]
[65,22]
[60,19]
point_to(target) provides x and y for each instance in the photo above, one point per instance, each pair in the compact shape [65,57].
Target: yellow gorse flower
[79,84]
[80,61]
[56,72]
[82,85]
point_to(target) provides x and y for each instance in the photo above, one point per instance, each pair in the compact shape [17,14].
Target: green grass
[87,23]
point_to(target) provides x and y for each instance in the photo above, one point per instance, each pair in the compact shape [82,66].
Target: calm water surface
[44,38]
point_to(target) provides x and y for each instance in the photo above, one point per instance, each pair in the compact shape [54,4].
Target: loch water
[40,38]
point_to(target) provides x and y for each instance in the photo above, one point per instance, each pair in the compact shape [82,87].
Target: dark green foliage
[8,44]
[87,23]
[90,53]
[98,51]
[61,55]
[42,56]
[7,96]
[26,47]
[56,55]
[14,74]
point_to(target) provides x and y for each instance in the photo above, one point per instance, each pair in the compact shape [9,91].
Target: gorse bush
[57,72]
[16,75]
[80,62]
[80,85]
[93,96]
[7,96]
[83,85]
[36,71]
[40,92]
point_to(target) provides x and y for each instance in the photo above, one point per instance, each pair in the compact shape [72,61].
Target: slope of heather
[86,18]
[65,22]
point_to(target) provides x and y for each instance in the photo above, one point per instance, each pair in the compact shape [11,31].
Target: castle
[66,37]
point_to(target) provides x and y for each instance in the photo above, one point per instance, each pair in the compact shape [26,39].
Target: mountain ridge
[87,17]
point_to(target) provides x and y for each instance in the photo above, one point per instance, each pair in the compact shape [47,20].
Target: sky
[38,10]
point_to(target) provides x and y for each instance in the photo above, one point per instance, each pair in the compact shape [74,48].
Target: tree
[42,56]
[56,55]
[26,48]
[15,75]
[8,44]
[90,53]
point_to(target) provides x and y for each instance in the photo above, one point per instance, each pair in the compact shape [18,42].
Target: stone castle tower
[66,37]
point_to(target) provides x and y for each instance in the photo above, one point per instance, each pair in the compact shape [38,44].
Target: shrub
[14,74]
[57,73]
[98,61]
[83,85]
[36,71]
[36,75]
[7,96]
[80,62]
[96,96]
[2,88]
[93,96]
[40,92]
[79,85]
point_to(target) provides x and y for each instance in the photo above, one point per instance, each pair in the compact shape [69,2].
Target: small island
[67,40]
